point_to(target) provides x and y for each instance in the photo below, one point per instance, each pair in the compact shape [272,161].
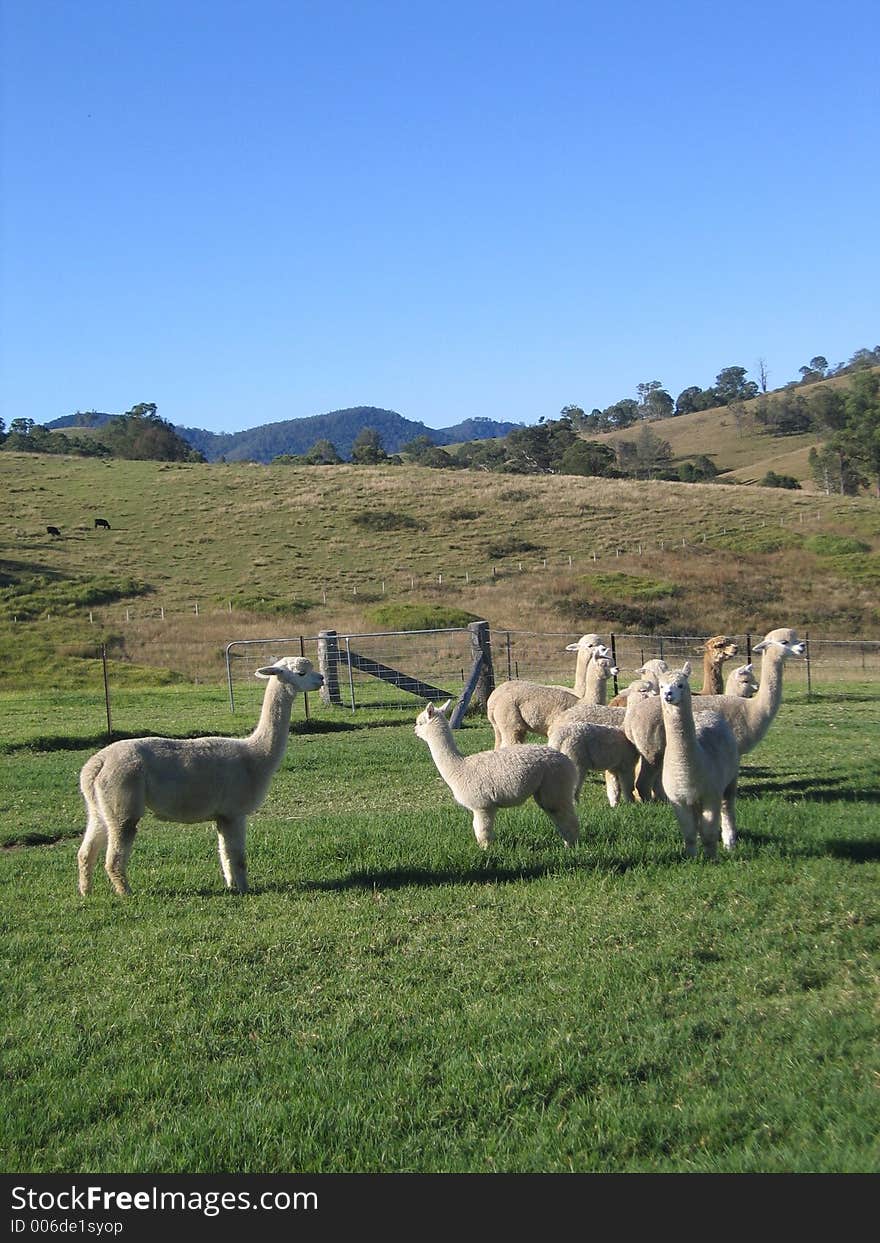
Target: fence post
[809,672]
[482,680]
[614,661]
[481,642]
[328,664]
[106,692]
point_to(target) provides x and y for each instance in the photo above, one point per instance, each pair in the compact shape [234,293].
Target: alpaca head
[651,670]
[590,643]
[294,672]
[428,716]
[674,685]
[720,648]
[783,641]
[605,667]
[741,681]
[641,688]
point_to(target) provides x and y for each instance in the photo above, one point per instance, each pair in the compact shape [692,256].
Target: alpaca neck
[445,754]
[713,683]
[269,738]
[678,724]
[595,688]
[763,706]
[580,673]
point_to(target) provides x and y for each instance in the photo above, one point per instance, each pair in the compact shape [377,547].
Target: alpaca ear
[267,671]
[572,647]
[686,668]
[759,647]
[444,707]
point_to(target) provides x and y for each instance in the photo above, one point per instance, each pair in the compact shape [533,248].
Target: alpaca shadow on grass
[823,788]
[855,850]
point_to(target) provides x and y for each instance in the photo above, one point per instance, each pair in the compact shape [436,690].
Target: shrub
[419,617]
[386,520]
[510,547]
[834,545]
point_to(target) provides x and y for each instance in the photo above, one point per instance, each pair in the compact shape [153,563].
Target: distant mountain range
[295,436]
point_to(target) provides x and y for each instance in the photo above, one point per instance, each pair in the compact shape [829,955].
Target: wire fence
[442,660]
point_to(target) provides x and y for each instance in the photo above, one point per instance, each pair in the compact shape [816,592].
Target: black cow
[53,531]
[102,522]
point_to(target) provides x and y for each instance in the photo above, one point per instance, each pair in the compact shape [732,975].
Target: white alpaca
[517,708]
[700,766]
[487,780]
[587,646]
[741,682]
[751,718]
[649,672]
[599,748]
[189,780]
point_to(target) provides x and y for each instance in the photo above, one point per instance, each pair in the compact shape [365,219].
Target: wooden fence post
[482,680]
[328,664]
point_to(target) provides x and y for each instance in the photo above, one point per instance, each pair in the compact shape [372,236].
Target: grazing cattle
[102,522]
[53,531]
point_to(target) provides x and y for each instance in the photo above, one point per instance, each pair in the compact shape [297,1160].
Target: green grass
[389,998]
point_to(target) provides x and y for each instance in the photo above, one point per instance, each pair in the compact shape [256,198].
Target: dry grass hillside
[199,554]
[740,448]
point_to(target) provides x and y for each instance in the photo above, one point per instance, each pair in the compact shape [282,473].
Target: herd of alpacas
[657,739]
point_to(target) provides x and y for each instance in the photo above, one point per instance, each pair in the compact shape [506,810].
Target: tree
[690,400]
[587,457]
[860,438]
[322,453]
[367,449]
[575,415]
[763,374]
[814,371]
[651,452]
[731,385]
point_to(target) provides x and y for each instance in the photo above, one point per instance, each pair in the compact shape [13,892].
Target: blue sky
[255,210]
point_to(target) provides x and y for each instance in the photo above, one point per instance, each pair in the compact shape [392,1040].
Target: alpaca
[598,748]
[517,708]
[649,672]
[487,780]
[741,681]
[715,651]
[573,732]
[700,766]
[189,780]
[587,646]
[751,718]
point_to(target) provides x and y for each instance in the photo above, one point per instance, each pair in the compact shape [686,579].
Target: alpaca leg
[120,840]
[687,823]
[648,777]
[93,842]
[709,827]
[728,817]
[614,790]
[484,820]
[230,835]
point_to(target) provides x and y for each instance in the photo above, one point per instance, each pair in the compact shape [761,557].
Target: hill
[732,438]
[297,436]
[202,553]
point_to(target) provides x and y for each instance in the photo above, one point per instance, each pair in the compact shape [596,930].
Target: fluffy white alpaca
[517,708]
[487,780]
[189,780]
[741,682]
[700,766]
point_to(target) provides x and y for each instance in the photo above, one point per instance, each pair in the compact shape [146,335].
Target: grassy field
[388,998]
